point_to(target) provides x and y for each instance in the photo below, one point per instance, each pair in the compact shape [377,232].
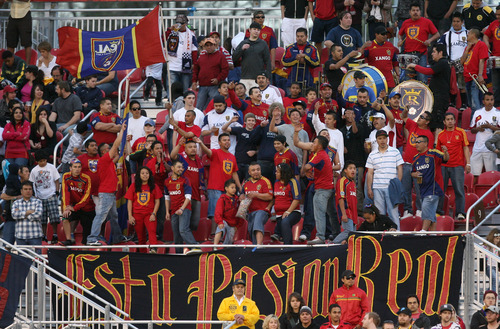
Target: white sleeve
[318,125]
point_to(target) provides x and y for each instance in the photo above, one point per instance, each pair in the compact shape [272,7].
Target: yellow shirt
[19,9]
[230,306]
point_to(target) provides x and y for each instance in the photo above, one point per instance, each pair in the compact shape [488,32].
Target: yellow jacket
[229,307]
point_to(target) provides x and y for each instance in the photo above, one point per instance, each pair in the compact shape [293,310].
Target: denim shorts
[429,207]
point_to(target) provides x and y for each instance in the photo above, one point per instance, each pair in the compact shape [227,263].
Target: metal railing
[121,107]
[467,217]
[60,143]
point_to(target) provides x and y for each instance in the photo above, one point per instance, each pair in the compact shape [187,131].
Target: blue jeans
[9,230]
[348,228]
[408,182]
[106,209]
[383,203]
[256,221]
[205,94]
[332,226]
[491,271]
[286,225]
[184,78]
[31,242]
[429,207]
[322,203]
[19,161]
[180,228]
[213,196]
[456,174]
[474,95]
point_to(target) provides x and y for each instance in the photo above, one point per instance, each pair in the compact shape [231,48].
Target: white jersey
[271,94]
[180,114]
[481,117]
[455,42]
[214,119]
[387,128]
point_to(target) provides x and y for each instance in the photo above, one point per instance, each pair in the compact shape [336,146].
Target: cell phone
[379,101]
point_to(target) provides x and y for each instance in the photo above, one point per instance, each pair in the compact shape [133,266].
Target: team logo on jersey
[264,113]
[244,308]
[413,139]
[479,17]
[427,159]
[456,137]
[93,165]
[346,40]
[258,187]
[227,117]
[232,308]
[80,185]
[264,35]
[413,31]
[227,166]
[283,161]
[308,50]
[267,96]
[414,97]
[467,59]
[106,52]
[388,52]
[497,33]
[143,198]
[177,186]
[113,119]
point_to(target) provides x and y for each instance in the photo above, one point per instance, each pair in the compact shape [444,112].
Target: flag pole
[163,30]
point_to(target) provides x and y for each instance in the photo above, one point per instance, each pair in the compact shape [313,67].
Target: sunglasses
[136,108]
[418,142]
[350,277]
[258,17]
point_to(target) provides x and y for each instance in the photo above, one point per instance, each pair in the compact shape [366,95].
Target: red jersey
[104,136]
[261,111]
[476,53]
[493,33]
[263,186]
[108,178]
[89,167]
[323,171]
[288,156]
[143,202]
[325,10]
[455,141]
[76,192]
[176,190]
[226,209]
[159,170]
[400,137]
[330,105]
[194,129]
[288,104]
[266,34]
[413,132]
[193,170]
[346,192]
[140,143]
[284,195]
[383,57]
[222,166]
[353,302]
[416,33]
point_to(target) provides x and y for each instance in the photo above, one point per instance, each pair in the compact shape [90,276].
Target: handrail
[120,104]
[191,9]
[486,218]
[67,136]
[467,217]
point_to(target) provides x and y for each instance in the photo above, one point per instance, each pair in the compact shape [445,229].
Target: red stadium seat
[325,53]
[466,117]
[241,232]
[488,178]
[204,209]
[247,242]
[268,231]
[453,110]
[445,223]
[470,199]
[409,224]
[472,139]
[282,92]
[34,56]
[168,234]
[203,231]
[280,51]
[160,119]
[469,182]
[206,249]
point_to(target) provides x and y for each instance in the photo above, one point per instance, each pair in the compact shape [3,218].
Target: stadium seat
[323,57]
[128,243]
[168,234]
[485,181]
[203,231]
[241,232]
[409,224]
[247,242]
[453,110]
[466,117]
[471,138]
[469,182]
[160,119]
[204,209]
[280,51]
[22,53]
[470,199]
[268,231]
[207,249]
[60,232]
[445,223]
[282,92]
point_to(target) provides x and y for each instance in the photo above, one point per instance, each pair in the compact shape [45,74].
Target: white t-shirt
[336,137]
[214,119]
[44,180]
[180,114]
[136,128]
[270,95]
[154,71]
[47,69]
[481,117]
[187,44]
[387,128]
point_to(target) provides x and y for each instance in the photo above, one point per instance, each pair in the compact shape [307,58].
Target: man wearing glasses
[136,123]
[415,129]
[352,300]
[266,34]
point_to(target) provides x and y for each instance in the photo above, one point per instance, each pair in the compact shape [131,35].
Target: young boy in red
[347,202]
[225,213]
[143,202]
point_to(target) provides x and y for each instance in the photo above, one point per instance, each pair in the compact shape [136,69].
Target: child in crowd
[347,201]
[144,198]
[75,145]
[45,178]
[153,73]
[225,213]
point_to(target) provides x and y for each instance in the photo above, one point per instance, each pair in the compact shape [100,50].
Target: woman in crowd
[33,76]
[43,132]
[37,101]
[9,94]
[46,61]
[271,322]
[291,318]
[16,134]
[491,264]
[374,221]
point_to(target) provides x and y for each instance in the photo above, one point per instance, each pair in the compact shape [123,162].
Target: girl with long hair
[37,101]
[33,76]
[43,132]
[291,318]
[374,221]
[271,322]
[16,133]
[286,201]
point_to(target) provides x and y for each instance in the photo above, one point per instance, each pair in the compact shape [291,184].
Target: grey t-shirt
[287,131]
[66,107]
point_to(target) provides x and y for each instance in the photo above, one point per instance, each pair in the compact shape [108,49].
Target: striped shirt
[28,227]
[384,166]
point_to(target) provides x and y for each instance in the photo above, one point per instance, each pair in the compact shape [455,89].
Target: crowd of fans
[255,133]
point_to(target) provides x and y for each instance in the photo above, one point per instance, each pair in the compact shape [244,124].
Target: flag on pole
[138,45]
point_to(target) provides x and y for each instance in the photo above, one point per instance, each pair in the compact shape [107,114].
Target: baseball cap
[219,99]
[301,103]
[76,160]
[324,85]
[263,73]
[381,30]
[211,40]
[404,310]
[306,309]
[255,25]
[281,139]
[9,89]
[214,32]
[348,273]
[492,308]
[239,281]
[381,132]
[447,307]
[149,122]
[394,93]
[359,75]
[377,115]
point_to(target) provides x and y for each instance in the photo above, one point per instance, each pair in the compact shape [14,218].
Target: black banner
[13,273]
[165,287]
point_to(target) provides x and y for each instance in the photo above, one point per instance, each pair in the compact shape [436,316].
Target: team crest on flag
[106,52]
[143,198]
[413,32]
[93,165]
[227,166]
